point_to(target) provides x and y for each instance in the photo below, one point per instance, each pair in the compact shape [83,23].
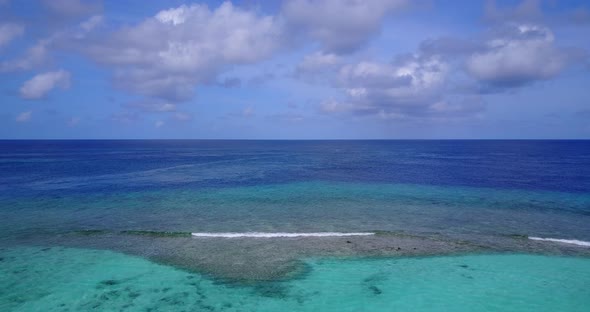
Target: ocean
[223,225]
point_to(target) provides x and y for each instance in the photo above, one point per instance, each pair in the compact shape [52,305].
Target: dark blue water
[562,166]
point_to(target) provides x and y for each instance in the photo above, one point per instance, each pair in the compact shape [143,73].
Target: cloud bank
[158,62]
[199,44]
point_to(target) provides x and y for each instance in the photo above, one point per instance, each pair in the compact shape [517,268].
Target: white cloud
[526,53]
[199,44]
[91,23]
[9,31]
[24,116]
[411,87]
[34,56]
[339,26]
[167,107]
[380,75]
[408,80]
[158,124]
[174,16]
[152,106]
[38,86]
[445,78]
[39,53]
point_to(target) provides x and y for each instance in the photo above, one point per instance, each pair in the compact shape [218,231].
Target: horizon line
[262,139]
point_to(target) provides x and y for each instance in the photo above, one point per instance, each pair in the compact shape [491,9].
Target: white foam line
[565,241]
[274,235]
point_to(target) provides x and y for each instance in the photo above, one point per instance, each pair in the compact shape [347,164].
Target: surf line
[278,234]
[565,241]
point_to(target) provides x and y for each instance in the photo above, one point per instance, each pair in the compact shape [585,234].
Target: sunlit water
[58,279]
[438,225]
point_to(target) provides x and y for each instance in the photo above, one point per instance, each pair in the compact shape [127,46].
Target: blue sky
[300,69]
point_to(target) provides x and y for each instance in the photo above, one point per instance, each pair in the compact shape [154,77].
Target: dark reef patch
[90,232]
[375,290]
[517,236]
[109,282]
[271,290]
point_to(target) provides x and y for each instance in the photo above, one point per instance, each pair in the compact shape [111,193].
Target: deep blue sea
[37,166]
[106,225]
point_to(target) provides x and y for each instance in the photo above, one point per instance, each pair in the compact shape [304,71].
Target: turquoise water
[114,219]
[409,219]
[66,279]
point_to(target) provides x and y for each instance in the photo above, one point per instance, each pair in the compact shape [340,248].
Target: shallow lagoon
[67,279]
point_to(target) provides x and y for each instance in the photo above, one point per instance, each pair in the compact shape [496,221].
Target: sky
[294,69]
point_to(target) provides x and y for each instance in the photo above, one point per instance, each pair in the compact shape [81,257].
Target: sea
[288,225]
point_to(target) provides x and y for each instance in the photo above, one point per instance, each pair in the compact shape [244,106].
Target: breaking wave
[565,241]
[279,234]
